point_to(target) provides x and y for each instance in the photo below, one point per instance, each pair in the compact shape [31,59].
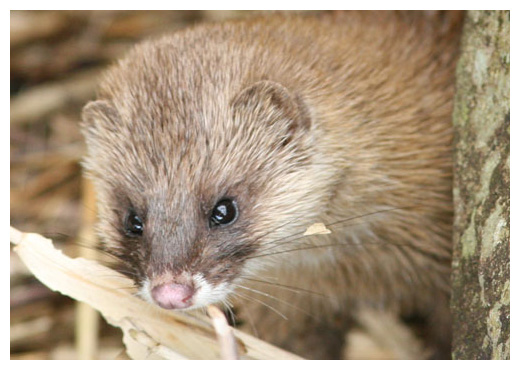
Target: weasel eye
[224,213]
[134,224]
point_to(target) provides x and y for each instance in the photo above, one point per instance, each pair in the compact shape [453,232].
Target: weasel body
[213,149]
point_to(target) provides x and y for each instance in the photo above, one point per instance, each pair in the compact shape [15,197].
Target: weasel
[213,149]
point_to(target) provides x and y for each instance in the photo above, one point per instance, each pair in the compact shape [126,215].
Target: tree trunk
[480,280]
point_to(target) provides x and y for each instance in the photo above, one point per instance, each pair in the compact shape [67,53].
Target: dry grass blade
[224,332]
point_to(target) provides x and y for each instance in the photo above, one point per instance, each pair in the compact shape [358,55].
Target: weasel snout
[183,291]
[173,295]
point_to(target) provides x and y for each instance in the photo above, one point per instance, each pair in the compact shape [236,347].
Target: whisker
[273,230]
[250,319]
[424,253]
[103,251]
[249,298]
[230,314]
[298,236]
[371,214]
[286,287]
[127,289]
[301,236]
[332,225]
[266,233]
[127,273]
[275,298]
[297,249]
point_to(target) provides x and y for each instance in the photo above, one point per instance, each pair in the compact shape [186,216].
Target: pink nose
[173,296]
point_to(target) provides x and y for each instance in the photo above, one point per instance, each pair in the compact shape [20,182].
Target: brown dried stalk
[148,331]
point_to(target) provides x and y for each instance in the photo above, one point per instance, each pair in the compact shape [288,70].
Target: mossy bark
[481,276]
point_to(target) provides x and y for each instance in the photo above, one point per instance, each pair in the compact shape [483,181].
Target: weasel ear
[97,114]
[273,104]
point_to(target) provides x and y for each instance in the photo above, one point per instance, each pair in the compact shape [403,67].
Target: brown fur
[301,120]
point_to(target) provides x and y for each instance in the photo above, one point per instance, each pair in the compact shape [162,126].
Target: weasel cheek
[207,293]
